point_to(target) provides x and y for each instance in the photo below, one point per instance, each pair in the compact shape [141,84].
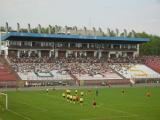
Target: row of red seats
[6,74]
[154,63]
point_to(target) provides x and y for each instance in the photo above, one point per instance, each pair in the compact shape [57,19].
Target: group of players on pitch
[79,98]
[76,98]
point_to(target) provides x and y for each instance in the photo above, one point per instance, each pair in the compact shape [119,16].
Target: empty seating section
[153,62]
[92,71]
[130,70]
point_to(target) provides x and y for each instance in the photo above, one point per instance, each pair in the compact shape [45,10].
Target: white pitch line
[34,111]
[20,115]
[38,108]
[35,107]
[104,118]
[116,110]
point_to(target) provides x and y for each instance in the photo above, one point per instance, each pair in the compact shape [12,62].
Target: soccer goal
[3,100]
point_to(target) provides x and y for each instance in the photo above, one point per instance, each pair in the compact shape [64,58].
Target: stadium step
[6,71]
[118,73]
[77,81]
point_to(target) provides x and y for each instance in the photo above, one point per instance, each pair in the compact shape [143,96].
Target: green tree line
[152,47]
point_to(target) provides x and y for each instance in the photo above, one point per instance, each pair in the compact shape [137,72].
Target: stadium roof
[21,36]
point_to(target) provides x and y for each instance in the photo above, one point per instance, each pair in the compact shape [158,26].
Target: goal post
[6,99]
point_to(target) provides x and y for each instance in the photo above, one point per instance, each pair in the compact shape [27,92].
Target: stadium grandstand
[72,56]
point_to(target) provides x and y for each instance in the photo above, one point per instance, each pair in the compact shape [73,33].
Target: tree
[94,31]
[112,33]
[2,29]
[85,30]
[117,32]
[150,48]
[108,32]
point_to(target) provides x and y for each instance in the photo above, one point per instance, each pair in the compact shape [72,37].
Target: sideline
[78,87]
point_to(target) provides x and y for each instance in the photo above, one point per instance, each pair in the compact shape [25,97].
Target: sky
[140,15]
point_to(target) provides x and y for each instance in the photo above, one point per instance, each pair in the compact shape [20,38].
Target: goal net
[3,101]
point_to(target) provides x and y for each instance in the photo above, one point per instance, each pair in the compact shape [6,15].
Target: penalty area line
[19,114]
[35,107]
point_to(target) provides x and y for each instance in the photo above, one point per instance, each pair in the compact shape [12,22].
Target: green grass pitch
[111,105]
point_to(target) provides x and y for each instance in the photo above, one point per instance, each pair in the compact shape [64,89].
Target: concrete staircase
[77,81]
[7,76]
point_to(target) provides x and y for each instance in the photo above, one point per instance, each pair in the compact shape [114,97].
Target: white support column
[80,53]
[129,46]
[6,43]
[56,53]
[125,54]
[39,53]
[134,54]
[66,53]
[95,53]
[42,44]
[76,54]
[120,54]
[88,45]
[117,55]
[50,53]
[53,45]
[85,53]
[18,54]
[31,44]
[111,46]
[78,45]
[6,53]
[69,45]
[109,55]
[29,53]
[100,54]
[20,43]
[120,46]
